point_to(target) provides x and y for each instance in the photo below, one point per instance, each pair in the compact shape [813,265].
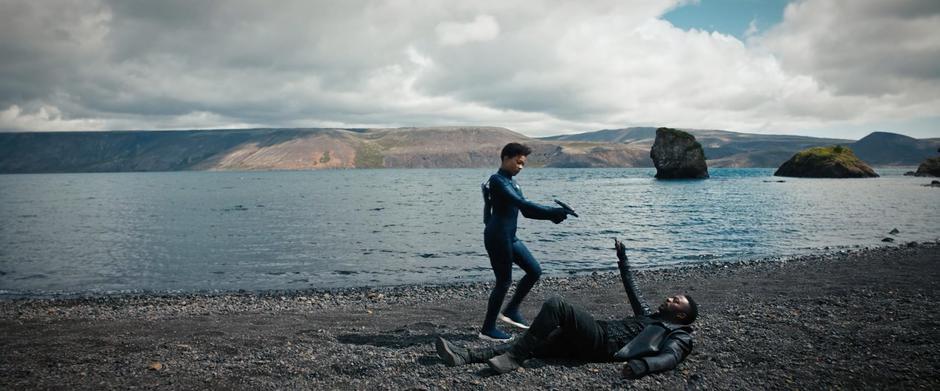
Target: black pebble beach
[857,319]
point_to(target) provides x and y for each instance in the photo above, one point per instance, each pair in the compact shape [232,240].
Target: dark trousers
[560,330]
[503,253]
[565,330]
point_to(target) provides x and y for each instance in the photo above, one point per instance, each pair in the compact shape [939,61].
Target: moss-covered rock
[826,162]
[677,155]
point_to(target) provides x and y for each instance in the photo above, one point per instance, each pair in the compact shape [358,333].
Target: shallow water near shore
[226,231]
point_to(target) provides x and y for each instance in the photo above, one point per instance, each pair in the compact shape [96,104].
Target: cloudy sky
[839,68]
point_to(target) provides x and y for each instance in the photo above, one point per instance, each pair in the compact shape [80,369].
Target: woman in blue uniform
[503,200]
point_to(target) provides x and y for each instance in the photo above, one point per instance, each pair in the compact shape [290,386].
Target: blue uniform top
[503,200]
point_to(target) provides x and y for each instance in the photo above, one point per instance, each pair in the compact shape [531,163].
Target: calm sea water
[208,231]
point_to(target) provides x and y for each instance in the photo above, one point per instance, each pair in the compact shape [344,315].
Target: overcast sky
[837,68]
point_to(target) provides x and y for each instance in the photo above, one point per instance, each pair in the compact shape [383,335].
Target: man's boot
[454,355]
[520,351]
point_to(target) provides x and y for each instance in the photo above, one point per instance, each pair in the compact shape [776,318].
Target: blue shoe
[495,335]
[514,318]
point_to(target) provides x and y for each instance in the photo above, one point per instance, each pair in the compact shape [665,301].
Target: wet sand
[851,319]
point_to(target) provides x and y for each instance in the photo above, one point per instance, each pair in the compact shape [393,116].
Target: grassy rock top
[834,154]
[826,162]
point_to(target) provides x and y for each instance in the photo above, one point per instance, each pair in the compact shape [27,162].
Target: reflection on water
[195,231]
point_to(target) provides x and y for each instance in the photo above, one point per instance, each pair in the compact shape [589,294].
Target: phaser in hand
[567,208]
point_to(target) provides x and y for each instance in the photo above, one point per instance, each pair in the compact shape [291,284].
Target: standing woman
[503,200]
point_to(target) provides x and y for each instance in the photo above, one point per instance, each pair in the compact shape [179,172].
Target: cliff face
[677,155]
[292,149]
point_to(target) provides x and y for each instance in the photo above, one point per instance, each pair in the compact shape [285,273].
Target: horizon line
[356,128]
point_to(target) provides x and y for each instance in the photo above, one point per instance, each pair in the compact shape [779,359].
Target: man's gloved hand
[621,250]
[628,371]
[560,215]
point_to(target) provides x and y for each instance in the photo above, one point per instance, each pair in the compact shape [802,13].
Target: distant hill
[430,147]
[731,149]
[628,135]
[889,149]
[293,149]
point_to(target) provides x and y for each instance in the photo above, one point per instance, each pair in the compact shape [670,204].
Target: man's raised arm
[629,285]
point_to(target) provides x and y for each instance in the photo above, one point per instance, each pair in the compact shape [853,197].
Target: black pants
[503,253]
[564,330]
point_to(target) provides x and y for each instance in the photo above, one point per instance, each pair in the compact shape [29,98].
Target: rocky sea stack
[677,155]
[930,167]
[826,162]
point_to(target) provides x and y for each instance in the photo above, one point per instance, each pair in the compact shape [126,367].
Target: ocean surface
[89,234]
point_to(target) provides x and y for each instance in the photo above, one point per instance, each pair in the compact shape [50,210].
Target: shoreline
[482,167]
[458,284]
[849,318]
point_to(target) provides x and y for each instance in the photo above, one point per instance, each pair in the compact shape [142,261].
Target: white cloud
[45,118]
[877,60]
[545,67]
[482,28]
[868,48]
[751,29]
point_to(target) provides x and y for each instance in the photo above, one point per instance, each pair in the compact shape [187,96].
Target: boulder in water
[826,162]
[677,155]
[930,167]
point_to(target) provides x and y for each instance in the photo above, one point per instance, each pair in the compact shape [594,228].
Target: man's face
[514,164]
[677,306]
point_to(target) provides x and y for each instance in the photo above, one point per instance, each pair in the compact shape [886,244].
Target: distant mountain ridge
[293,149]
[429,147]
[894,149]
[731,149]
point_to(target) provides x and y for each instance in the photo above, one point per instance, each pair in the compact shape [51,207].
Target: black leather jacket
[503,200]
[661,345]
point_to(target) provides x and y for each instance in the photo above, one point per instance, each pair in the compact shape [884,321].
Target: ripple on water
[114,232]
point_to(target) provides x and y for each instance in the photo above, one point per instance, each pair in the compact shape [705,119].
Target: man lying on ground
[648,342]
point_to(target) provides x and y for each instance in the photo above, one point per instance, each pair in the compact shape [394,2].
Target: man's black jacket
[661,345]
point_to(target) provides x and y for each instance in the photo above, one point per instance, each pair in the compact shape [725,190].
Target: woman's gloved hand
[559,215]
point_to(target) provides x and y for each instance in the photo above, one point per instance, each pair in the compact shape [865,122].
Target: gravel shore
[847,319]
